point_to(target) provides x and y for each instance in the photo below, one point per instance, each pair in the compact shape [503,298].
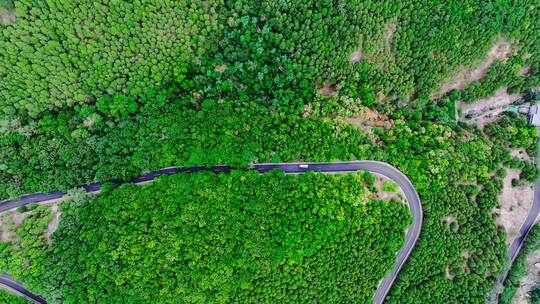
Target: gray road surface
[17,288]
[385,169]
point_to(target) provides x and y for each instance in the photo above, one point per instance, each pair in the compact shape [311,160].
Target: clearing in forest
[499,51]
[486,110]
[387,189]
[515,203]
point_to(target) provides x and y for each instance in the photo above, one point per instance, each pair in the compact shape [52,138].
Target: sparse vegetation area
[518,269]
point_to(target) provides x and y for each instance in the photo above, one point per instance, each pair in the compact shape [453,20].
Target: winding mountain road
[17,288]
[382,168]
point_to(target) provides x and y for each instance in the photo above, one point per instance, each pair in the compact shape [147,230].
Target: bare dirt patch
[499,51]
[51,228]
[384,195]
[328,90]
[7,17]
[531,278]
[449,220]
[356,56]
[488,110]
[514,205]
[8,222]
[5,235]
[18,218]
[521,154]
[370,118]
[524,71]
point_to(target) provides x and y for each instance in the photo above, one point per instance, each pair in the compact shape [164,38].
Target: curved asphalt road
[17,288]
[385,169]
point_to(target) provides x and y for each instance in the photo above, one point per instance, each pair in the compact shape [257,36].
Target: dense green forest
[519,268]
[107,90]
[535,295]
[218,238]
[8,298]
[274,52]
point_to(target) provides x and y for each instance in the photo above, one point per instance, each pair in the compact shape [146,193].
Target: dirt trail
[390,30]
[500,50]
[53,224]
[501,98]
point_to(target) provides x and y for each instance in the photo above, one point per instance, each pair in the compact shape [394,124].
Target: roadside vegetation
[138,86]
[9,298]
[219,238]
[519,269]
[535,295]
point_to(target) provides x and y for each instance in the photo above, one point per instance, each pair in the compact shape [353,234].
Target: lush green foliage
[75,148]
[8,298]
[453,261]
[518,269]
[65,53]
[274,52]
[6,4]
[534,295]
[390,186]
[27,245]
[520,72]
[404,50]
[438,159]
[223,238]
